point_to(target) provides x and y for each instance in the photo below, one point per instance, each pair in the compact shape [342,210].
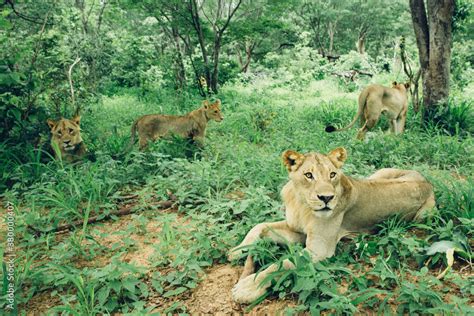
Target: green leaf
[130,284]
[243,206]
[116,286]
[176,291]
[103,294]
[365,296]
[442,246]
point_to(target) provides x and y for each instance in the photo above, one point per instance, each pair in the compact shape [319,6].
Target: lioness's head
[213,110]
[66,134]
[316,178]
[401,86]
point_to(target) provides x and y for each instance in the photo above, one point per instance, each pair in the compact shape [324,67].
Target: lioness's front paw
[234,254]
[248,290]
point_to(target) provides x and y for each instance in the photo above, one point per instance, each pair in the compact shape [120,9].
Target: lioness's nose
[326,198]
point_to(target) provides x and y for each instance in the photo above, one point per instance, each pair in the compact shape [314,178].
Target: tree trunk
[197,25]
[215,71]
[361,44]
[361,37]
[244,64]
[331,31]
[316,26]
[180,71]
[219,31]
[248,54]
[440,14]
[415,98]
[433,37]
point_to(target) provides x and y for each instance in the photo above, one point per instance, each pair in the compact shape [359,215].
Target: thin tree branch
[101,13]
[69,75]
[230,16]
[25,17]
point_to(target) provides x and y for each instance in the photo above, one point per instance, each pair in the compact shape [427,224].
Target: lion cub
[323,205]
[192,125]
[66,136]
[375,100]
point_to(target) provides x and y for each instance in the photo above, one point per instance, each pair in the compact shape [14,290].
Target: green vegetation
[154,259]
[389,270]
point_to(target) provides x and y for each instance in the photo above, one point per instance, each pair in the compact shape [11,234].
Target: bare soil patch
[213,296]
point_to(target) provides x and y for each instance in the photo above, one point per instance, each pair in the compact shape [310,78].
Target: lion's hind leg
[372,115]
[400,175]
[426,208]
[401,120]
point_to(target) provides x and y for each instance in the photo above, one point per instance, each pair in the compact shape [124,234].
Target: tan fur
[192,125]
[66,136]
[323,205]
[375,100]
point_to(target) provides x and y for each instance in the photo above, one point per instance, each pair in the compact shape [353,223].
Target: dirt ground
[211,297]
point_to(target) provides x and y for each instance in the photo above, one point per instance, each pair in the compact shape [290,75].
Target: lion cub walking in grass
[323,205]
[192,125]
[375,100]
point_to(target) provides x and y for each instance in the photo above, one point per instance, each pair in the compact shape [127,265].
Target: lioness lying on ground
[375,100]
[66,136]
[192,125]
[323,205]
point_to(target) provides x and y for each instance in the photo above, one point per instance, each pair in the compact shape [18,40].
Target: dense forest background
[196,47]
[283,69]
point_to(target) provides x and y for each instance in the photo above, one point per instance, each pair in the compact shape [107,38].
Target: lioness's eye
[71,130]
[332,174]
[308,175]
[59,133]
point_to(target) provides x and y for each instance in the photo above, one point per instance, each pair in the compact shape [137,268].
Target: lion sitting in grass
[192,125]
[323,205]
[66,139]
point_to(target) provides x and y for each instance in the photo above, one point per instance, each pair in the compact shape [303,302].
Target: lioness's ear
[206,104]
[292,160]
[394,83]
[407,85]
[218,103]
[338,156]
[76,119]
[51,123]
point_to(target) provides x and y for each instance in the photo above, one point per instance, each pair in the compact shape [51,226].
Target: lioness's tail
[362,102]
[133,134]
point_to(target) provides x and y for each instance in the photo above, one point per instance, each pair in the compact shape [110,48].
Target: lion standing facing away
[192,125]
[375,100]
[66,139]
[322,205]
